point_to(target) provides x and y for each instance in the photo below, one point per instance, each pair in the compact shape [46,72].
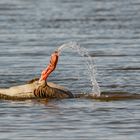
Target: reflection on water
[31,30]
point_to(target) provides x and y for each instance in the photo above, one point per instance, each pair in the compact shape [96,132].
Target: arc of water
[91,67]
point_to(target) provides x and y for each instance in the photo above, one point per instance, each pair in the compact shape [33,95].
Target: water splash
[89,63]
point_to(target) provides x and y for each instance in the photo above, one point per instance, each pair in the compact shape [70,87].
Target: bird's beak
[58,51]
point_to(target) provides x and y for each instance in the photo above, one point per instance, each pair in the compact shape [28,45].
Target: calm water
[30,30]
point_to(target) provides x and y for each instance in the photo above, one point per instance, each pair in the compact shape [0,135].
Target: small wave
[104,54]
[127,68]
[115,92]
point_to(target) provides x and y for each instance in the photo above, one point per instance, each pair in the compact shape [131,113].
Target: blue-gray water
[30,30]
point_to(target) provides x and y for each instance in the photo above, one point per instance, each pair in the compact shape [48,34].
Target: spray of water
[89,62]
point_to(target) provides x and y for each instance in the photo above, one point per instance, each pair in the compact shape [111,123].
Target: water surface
[31,30]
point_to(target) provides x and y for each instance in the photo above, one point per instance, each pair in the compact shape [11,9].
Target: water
[31,30]
[89,64]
